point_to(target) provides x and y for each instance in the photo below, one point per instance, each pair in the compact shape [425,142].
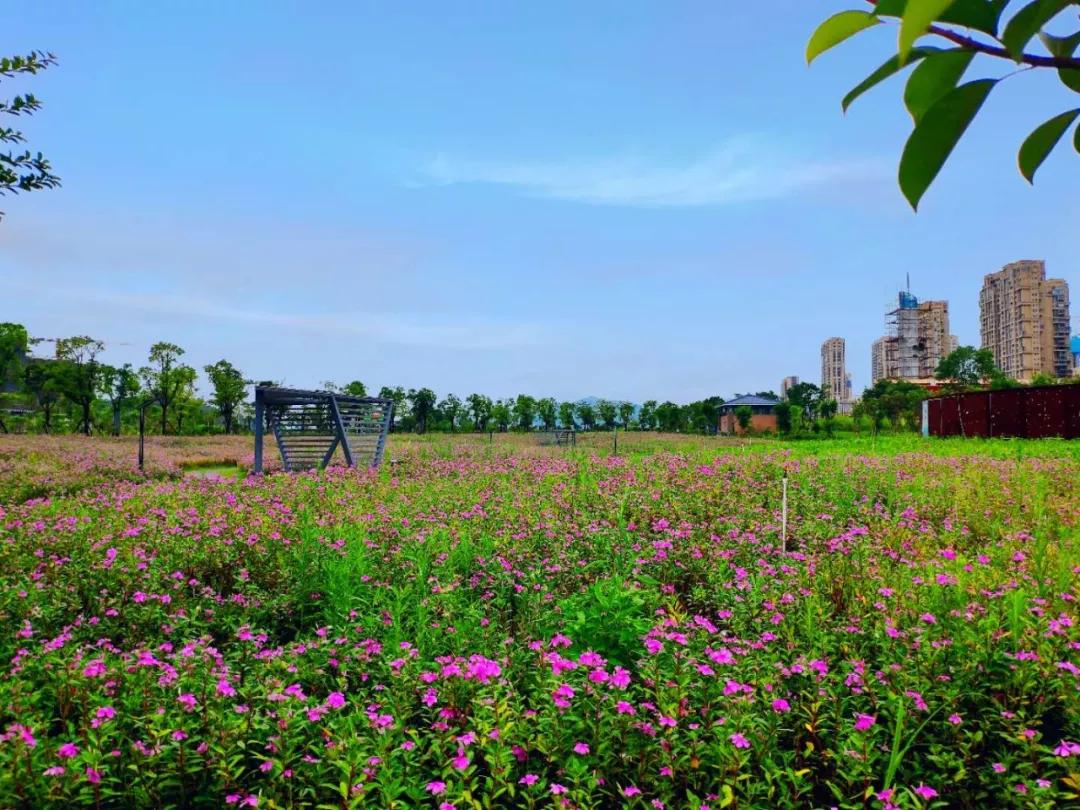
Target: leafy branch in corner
[940,106]
[23,171]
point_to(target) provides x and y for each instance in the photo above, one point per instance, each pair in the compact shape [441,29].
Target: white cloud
[737,171]
[405,329]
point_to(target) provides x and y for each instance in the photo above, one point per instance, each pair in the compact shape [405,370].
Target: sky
[626,200]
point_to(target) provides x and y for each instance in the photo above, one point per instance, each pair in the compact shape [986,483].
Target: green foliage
[943,111]
[230,388]
[422,406]
[967,367]
[566,415]
[743,415]
[783,418]
[23,171]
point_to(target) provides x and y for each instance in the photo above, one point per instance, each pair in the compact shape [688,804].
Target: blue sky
[643,200]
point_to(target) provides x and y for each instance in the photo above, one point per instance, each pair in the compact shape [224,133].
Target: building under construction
[916,339]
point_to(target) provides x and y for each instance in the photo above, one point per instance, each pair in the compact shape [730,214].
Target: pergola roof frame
[310,425]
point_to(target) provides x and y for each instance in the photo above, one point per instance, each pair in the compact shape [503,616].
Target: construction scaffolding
[916,339]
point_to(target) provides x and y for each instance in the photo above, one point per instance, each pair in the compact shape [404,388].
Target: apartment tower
[1024,321]
[835,381]
[787,384]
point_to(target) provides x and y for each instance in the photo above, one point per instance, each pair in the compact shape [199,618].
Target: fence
[1028,413]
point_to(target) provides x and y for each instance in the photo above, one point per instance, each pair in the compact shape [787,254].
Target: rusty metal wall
[1028,413]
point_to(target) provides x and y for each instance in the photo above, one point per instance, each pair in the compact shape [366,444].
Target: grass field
[492,623]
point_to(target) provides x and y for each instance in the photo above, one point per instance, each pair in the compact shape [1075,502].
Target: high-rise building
[1024,320]
[917,339]
[835,381]
[787,385]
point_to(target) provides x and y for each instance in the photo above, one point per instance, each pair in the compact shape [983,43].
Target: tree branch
[1035,60]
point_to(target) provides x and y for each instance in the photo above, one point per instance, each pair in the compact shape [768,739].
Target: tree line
[73,389]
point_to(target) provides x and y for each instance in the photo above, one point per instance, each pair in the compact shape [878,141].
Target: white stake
[783,525]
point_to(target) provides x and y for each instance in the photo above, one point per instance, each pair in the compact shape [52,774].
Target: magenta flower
[188,701]
[780,706]
[557,789]
[93,776]
[925,792]
[739,741]
[581,748]
[436,787]
[335,700]
[528,779]
[864,722]
[67,751]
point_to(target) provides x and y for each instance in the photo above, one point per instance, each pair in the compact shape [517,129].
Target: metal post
[260,421]
[615,438]
[783,518]
[142,432]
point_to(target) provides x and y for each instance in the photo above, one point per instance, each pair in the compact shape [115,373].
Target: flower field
[477,629]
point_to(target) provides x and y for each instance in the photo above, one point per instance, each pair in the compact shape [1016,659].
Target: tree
[479,410]
[783,417]
[14,344]
[767,395]
[743,415]
[25,171]
[40,380]
[524,411]
[805,396]
[626,413]
[608,412]
[967,367]
[566,415]
[547,410]
[184,400]
[647,414]
[895,400]
[161,378]
[120,386]
[500,415]
[230,388]
[940,106]
[354,389]
[422,405]
[78,374]
[397,396]
[827,409]
[452,409]
[669,417]
[587,414]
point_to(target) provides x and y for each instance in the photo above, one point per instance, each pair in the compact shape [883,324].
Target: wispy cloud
[737,171]
[404,329]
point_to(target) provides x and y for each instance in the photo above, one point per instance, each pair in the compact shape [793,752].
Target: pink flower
[435,787]
[780,706]
[93,776]
[68,750]
[864,722]
[581,748]
[188,701]
[335,700]
[925,792]
[528,779]
[630,790]
[55,770]
[998,767]
[955,719]
[739,741]
[557,789]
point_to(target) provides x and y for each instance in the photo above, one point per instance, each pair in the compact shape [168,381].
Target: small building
[762,410]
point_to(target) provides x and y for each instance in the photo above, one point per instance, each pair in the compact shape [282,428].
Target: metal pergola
[309,426]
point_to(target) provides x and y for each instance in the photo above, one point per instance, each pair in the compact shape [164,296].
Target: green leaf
[1027,22]
[1060,46]
[978,14]
[893,65]
[936,76]
[917,18]
[1070,78]
[1038,145]
[836,29]
[1076,138]
[937,134]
